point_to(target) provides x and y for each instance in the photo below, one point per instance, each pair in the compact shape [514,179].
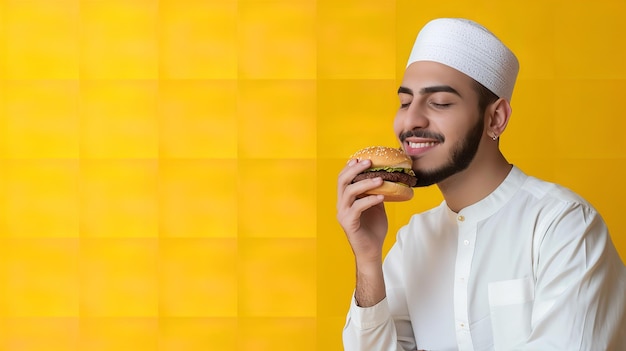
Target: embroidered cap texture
[471,49]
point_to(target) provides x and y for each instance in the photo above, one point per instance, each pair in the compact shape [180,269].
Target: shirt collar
[494,201]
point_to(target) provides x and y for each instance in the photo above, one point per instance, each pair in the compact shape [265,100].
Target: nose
[413,118]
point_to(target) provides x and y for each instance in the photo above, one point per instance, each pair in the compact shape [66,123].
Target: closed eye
[405,100]
[440,106]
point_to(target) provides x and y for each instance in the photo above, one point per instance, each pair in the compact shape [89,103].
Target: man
[507,261]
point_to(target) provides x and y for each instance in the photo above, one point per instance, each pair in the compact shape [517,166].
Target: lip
[419,146]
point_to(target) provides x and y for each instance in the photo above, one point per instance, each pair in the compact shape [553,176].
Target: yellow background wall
[167,168]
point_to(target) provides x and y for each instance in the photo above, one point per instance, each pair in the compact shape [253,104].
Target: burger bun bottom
[393,192]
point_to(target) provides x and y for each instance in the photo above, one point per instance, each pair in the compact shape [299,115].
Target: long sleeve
[370,328]
[385,326]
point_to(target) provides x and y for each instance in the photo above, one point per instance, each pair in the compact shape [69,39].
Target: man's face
[438,122]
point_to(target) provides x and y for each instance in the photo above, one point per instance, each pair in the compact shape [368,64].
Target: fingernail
[352,162]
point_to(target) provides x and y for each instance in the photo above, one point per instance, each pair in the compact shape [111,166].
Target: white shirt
[529,267]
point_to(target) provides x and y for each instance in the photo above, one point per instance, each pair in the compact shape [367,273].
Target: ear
[498,115]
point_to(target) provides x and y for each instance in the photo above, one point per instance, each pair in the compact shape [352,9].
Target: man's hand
[364,221]
[362,218]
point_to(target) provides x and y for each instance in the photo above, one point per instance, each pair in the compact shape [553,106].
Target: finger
[357,190]
[351,170]
[364,203]
[349,217]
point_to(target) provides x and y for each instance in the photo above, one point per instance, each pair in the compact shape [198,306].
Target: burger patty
[397,177]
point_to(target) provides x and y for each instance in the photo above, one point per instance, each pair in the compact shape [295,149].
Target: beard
[461,156]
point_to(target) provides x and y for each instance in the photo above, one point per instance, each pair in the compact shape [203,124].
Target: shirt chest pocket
[510,303]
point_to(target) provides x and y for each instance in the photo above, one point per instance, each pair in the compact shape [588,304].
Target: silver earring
[494,137]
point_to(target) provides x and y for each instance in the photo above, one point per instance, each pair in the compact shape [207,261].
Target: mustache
[420,133]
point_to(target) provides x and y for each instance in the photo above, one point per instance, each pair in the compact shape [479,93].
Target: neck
[473,184]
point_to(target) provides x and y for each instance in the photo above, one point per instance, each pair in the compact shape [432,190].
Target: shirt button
[465,242]
[462,325]
[461,218]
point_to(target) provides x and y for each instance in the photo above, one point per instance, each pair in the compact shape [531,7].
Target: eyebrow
[430,90]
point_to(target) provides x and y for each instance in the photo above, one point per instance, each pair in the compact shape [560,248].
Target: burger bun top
[384,156]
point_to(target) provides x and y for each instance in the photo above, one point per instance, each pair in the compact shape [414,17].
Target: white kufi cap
[471,49]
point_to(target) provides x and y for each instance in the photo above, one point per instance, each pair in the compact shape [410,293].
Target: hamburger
[393,166]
